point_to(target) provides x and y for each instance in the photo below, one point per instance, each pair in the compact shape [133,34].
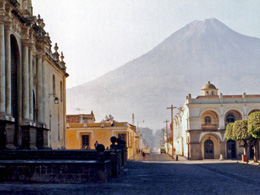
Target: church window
[207,120]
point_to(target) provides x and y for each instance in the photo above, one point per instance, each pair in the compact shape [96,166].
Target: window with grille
[230,118]
[207,120]
[85,141]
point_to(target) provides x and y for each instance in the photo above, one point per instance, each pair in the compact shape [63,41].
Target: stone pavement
[159,174]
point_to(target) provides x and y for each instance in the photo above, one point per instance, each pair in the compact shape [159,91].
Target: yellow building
[82,132]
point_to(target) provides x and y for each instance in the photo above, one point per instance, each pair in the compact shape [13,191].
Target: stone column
[43,90]
[30,6]
[45,132]
[25,80]
[221,122]
[39,87]
[25,4]
[8,69]
[223,149]
[31,84]
[33,131]
[2,67]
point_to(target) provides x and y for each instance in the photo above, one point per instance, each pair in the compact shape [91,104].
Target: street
[159,174]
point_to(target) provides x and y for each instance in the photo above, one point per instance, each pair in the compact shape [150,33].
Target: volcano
[201,51]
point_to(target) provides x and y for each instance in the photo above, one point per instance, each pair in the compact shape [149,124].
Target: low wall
[59,166]
[55,171]
[63,166]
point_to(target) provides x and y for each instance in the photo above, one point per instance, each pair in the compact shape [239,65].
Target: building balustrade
[209,126]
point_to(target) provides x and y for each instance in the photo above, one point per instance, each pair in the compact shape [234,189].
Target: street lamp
[56,101]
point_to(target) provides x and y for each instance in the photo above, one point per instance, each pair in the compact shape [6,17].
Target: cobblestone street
[159,174]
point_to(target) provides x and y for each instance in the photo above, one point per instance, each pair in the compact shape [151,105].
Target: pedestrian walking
[143,156]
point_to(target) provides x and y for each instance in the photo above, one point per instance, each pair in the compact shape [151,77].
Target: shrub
[229,131]
[254,124]
[240,130]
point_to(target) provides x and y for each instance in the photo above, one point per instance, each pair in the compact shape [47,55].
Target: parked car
[163,150]
[146,150]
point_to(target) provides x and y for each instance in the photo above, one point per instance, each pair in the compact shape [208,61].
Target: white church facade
[199,127]
[32,81]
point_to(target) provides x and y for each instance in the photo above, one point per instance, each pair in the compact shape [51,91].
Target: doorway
[208,149]
[231,149]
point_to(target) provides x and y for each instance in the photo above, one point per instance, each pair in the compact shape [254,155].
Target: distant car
[163,150]
[146,150]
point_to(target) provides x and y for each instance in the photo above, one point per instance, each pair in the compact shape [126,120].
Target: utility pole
[172,129]
[166,135]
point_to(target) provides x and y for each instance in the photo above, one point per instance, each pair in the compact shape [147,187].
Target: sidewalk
[184,160]
[250,162]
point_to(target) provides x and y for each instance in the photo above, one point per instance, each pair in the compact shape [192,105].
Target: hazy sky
[98,36]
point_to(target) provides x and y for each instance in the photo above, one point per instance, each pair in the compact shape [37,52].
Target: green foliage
[229,131]
[240,130]
[254,124]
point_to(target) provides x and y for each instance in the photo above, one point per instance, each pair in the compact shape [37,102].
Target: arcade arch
[209,120]
[210,146]
[231,116]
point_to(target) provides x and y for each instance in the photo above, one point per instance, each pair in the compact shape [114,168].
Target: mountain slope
[199,52]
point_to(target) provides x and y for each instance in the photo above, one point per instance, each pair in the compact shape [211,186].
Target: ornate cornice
[31,31]
[15,3]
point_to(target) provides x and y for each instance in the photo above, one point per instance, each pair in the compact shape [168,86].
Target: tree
[240,133]
[254,130]
[229,131]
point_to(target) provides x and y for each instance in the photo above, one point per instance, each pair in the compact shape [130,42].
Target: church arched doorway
[231,149]
[15,66]
[208,149]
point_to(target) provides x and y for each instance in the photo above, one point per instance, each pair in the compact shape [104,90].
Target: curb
[249,163]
